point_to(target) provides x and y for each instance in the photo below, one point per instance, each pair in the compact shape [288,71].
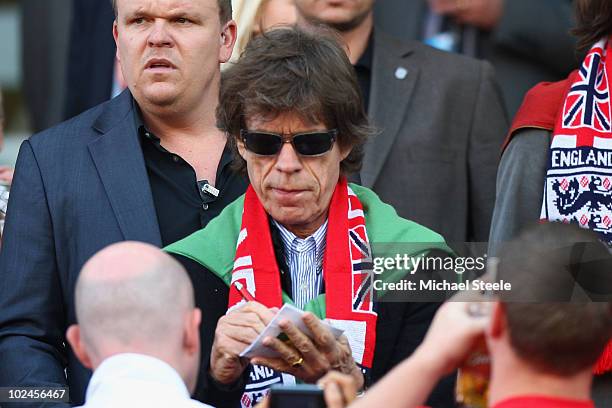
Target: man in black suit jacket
[440,119]
[149,165]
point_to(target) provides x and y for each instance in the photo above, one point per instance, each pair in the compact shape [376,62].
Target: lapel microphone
[207,188]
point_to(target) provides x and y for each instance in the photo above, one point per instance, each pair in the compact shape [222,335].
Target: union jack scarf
[578,184]
[347,271]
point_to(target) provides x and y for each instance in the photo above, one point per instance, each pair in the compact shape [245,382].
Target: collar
[294,244]
[114,112]
[141,129]
[126,368]
[138,122]
[144,134]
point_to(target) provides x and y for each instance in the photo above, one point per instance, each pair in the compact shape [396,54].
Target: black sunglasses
[305,144]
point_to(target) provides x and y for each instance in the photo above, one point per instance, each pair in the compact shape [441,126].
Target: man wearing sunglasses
[301,234]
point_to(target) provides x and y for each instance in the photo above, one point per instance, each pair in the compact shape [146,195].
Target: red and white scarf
[578,184]
[347,271]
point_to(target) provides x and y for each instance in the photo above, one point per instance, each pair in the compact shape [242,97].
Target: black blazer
[400,329]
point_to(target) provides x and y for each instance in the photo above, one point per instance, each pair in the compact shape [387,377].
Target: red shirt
[543,402]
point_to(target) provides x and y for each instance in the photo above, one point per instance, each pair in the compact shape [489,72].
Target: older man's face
[295,190]
[170,50]
[343,15]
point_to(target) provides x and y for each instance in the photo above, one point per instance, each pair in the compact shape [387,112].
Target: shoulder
[528,135]
[214,246]
[541,105]
[461,64]
[80,129]
[75,126]
[539,109]
[528,142]
[385,225]
[429,58]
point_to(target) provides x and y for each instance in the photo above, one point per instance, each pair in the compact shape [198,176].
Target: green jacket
[214,246]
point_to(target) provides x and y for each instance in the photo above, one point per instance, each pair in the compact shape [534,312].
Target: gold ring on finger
[298,362]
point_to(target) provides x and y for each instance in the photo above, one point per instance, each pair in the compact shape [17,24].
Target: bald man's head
[132,296]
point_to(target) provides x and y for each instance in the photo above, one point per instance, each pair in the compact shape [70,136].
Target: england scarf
[578,184]
[347,271]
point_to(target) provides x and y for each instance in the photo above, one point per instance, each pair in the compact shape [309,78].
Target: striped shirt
[304,258]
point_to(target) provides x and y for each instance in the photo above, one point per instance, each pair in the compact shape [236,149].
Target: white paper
[287,312]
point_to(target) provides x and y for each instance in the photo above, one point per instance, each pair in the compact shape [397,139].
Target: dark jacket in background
[44,32]
[92,56]
[531,43]
[441,124]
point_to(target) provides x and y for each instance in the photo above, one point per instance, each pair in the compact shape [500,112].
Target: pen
[246,295]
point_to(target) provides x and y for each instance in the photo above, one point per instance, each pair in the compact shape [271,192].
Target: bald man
[137,328]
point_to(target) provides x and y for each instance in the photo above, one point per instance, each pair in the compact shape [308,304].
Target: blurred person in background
[244,14]
[543,348]
[150,165]
[273,13]
[556,164]
[45,27]
[257,16]
[440,118]
[526,41]
[92,76]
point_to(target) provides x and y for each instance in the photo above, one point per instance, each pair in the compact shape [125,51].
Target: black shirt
[363,69]
[182,206]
